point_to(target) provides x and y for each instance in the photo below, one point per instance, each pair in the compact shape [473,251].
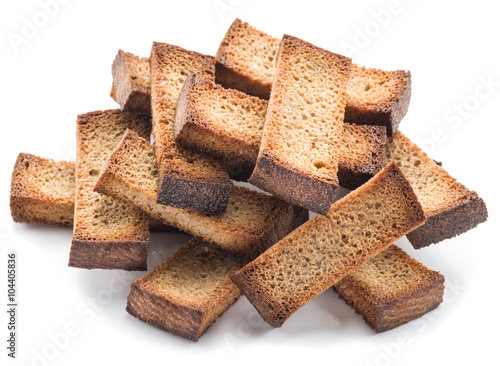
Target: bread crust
[320,253]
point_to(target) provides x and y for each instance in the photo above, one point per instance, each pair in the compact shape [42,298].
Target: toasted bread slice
[450,207]
[391,289]
[131,82]
[252,222]
[107,233]
[188,179]
[42,191]
[325,249]
[186,294]
[302,135]
[246,61]
[378,97]
[228,123]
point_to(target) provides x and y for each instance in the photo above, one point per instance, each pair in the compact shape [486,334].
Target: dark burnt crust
[293,186]
[450,223]
[187,193]
[129,256]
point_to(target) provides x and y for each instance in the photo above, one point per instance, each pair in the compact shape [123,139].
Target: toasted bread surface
[326,248]
[107,233]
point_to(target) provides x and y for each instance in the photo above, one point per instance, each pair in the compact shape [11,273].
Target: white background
[63,68]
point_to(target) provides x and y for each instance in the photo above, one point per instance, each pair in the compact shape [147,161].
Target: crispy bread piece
[302,135]
[186,294]
[228,123]
[187,178]
[252,222]
[325,249]
[450,207]
[131,82]
[107,233]
[42,191]
[378,97]
[246,61]
[391,289]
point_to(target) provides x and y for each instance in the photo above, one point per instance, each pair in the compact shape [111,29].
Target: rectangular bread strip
[42,191]
[302,135]
[325,249]
[186,294]
[107,233]
[391,289]
[246,61]
[252,222]
[450,207]
[131,82]
[187,179]
[228,123]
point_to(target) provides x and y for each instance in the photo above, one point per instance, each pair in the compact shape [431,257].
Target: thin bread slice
[186,294]
[107,233]
[450,207]
[391,289]
[246,61]
[229,124]
[325,249]
[188,179]
[42,191]
[131,82]
[251,223]
[302,135]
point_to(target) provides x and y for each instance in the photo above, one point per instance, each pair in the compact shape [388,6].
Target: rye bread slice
[325,249]
[107,233]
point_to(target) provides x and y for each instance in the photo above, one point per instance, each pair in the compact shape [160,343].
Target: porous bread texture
[219,121]
[361,154]
[391,289]
[131,82]
[188,179]
[246,61]
[107,233]
[300,145]
[42,191]
[325,249]
[251,223]
[229,124]
[450,207]
[378,97]
[186,294]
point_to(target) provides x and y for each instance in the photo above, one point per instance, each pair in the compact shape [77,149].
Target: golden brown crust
[325,249]
[107,233]
[304,125]
[450,207]
[188,179]
[252,222]
[188,292]
[131,83]
[391,289]
[42,191]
